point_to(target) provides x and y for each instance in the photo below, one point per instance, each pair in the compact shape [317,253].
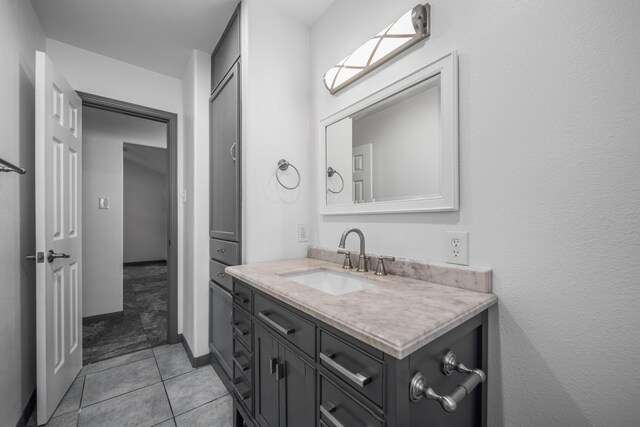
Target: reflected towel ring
[330,172]
[283,165]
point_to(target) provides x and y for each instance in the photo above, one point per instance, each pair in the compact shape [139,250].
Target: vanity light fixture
[408,30]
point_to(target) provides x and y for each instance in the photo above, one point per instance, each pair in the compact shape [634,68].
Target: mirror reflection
[389,151]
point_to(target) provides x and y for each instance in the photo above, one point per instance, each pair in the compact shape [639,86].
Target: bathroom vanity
[317,345]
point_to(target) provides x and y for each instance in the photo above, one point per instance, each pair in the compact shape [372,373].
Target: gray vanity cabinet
[285,384]
[307,373]
[225,212]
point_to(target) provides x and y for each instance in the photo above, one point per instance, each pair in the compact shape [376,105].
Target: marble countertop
[398,317]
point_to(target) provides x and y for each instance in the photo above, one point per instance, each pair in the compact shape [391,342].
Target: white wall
[145,205]
[20,37]
[196,87]
[275,125]
[550,189]
[100,75]
[102,168]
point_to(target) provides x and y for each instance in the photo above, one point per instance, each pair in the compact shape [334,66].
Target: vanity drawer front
[242,296]
[337,408]
[357,369]
[217,274]
[242,390]
[242,361]
[289,325]
[242,328]
[223,251]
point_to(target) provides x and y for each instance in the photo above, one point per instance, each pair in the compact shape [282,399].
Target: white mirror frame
[448,197]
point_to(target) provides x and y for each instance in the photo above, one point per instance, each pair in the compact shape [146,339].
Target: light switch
[103,203]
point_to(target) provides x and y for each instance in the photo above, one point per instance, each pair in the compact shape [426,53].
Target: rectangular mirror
[396,150]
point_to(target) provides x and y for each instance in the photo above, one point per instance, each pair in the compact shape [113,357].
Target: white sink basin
[332,282]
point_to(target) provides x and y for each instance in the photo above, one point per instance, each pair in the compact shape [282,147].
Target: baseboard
[142,263]
[101,317]
[27,411]
[196,362]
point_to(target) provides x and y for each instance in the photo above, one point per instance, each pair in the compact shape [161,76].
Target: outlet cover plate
[303,232]
[457,246]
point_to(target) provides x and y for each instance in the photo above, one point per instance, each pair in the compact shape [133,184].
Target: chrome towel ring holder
[330,172]
[283,165]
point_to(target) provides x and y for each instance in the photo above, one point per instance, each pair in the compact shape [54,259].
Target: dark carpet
[144,323]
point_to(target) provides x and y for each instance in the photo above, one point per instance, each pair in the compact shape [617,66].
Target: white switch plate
[103,203]
[303,232]
[458,247]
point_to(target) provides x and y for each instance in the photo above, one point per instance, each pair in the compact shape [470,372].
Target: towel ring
[283,165]
[330,172]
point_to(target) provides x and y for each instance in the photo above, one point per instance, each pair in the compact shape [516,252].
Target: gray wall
[102,238]
[20,37]
[145,204]
[549,189]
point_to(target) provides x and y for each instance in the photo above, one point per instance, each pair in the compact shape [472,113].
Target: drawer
[217,274]
[242,296]
[242,390]
[292,327]
[223,251]
[337,408]
[242,328]
[241,361]
[357,369]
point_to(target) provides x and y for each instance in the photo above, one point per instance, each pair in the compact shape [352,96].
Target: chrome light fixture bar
[408,30]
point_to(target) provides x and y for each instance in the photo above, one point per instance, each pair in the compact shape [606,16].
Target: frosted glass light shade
[406,31]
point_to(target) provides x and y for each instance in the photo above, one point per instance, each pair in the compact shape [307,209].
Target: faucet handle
[347,259]
[380,270]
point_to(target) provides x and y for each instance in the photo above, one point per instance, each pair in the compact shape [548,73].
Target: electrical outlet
[458,247]
[303,232]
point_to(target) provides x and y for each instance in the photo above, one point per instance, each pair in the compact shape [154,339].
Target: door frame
[171,120]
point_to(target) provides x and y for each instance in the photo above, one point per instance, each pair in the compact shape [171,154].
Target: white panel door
[58,235]
[362,173]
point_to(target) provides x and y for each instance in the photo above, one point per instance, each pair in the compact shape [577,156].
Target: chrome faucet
[363,259]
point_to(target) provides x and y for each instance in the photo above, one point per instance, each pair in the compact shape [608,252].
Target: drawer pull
[220,274]
[327,412]
[239,331]
[273,362]
[242,299]
[245,393]
[285,331]
[419,388]
[220,250]
[357,378]
[243,366]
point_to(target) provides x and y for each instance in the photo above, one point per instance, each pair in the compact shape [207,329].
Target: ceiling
[158,35]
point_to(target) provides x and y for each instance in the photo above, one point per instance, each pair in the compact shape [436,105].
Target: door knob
[37,257]
[52,255]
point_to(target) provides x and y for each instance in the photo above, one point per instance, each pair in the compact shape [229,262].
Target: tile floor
[144,323]
[152,387]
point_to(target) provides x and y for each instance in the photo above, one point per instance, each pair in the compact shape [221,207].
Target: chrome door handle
[232,151]
[419,389]
[327,412]
[52,255]
[285,331]
[39,257]
[357,378]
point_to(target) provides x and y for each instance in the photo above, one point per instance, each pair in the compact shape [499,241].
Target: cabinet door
[225,158]
[266,383]
[297,391]
[220,333]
